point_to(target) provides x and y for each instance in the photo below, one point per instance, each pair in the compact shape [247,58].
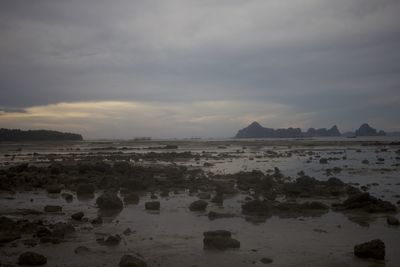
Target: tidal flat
[305,202]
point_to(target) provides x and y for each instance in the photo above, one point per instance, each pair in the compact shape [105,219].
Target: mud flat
[323,202]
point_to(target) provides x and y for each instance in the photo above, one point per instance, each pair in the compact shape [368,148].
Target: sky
[191,68]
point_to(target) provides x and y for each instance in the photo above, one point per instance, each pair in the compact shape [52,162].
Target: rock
[266,260]
[81,250]
[61,229]
[9,236]
[256,207]
[212,215]
[219,239]
[31,258]
[204,195]
[85,189]
[112,240]
[323,161]
[68,197]
[152,205]
[131,261]
[52,208]
[7,223]
[77,216]
[54,188]
[198,205]
[373,249]
[109,201]
[98,220]
[127,231]
[366,202]
[43,231]
[218,199]
[391,220]
[131,198]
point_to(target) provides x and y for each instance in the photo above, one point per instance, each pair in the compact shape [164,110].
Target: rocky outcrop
[132,261]
[31,258]
[255,130]
[219,239]
[367,203]
[109,201]
[374,249]
[323,132]
[366,130]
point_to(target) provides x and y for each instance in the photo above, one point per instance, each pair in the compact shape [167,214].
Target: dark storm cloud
[337,59]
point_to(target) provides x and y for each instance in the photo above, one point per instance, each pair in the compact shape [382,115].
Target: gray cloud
[338,60]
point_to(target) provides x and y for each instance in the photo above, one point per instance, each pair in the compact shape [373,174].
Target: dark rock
[31,258]
[112,240]
[52,208]
[266,260]
[109,201]
[54,188]
[256,207]
[218,199]
[127,231]
[212,215]
[61,229]
[9,236]
[219,239]
[152,205]
[204,195]
[85,189]
[366,202]
[77,216]
[81,250]
[131,198]
[98,220]
[131,261]
[198,205]
[68,197]
[373,249]
[7,224]
[391,220]
[43,231]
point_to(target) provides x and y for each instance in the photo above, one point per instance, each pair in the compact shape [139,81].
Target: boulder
[131,198]
[109,201]
[52,208]
[31,258]
[366,202]
[9,236]
[391,220]
[131,261]
[219,239]
[256,207]
[54,188]
[374,249]
[77,216]
[85,189]
[198,205]
[152,205]
[61,229]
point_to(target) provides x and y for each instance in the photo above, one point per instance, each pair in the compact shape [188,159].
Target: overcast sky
[200,68]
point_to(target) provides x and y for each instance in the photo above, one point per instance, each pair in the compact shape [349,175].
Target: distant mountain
[37,135]
[366,130]
[255,130]
[334,131]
